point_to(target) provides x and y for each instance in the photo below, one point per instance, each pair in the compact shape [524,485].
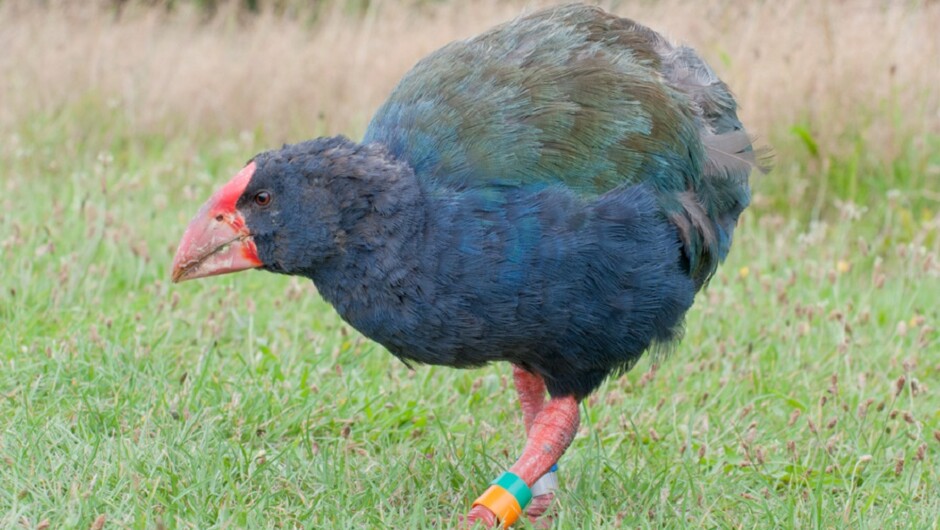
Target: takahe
[551,193]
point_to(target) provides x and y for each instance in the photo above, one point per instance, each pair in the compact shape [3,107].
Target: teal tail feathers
[707,212]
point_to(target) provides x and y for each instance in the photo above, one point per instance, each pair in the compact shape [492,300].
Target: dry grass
[839,70]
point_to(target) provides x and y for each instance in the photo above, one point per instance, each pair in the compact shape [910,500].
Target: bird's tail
[707,211]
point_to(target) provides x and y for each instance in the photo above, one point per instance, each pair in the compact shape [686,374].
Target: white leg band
[546,484]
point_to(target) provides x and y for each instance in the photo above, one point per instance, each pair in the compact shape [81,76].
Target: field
[806,393]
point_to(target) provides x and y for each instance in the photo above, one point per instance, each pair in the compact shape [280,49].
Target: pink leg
[531,390]
[550,434]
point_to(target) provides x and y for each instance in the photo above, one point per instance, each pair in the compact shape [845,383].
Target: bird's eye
[263,198]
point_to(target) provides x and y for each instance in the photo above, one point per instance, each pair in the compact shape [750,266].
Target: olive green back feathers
[576,97]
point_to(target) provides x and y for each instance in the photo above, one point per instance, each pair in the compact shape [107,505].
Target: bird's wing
[571,95]
[574,96]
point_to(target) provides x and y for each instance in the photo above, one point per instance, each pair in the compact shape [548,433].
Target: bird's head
[280,213]
[291,210]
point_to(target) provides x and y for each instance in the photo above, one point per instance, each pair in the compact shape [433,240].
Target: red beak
[217,240]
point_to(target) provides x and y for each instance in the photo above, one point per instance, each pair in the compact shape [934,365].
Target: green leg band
[515,486]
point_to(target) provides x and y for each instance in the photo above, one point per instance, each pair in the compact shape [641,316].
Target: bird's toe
[536,512]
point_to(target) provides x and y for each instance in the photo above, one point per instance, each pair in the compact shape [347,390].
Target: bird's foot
[536,512]
[540,505]
[480,517]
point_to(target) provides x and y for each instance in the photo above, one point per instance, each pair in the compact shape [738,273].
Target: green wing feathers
[576,97]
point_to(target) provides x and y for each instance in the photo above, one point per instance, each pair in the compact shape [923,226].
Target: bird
[551,193]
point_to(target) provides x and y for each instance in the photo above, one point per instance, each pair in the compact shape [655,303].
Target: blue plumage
[551,193]
[570,287]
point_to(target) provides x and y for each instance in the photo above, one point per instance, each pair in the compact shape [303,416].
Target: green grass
[806,392]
